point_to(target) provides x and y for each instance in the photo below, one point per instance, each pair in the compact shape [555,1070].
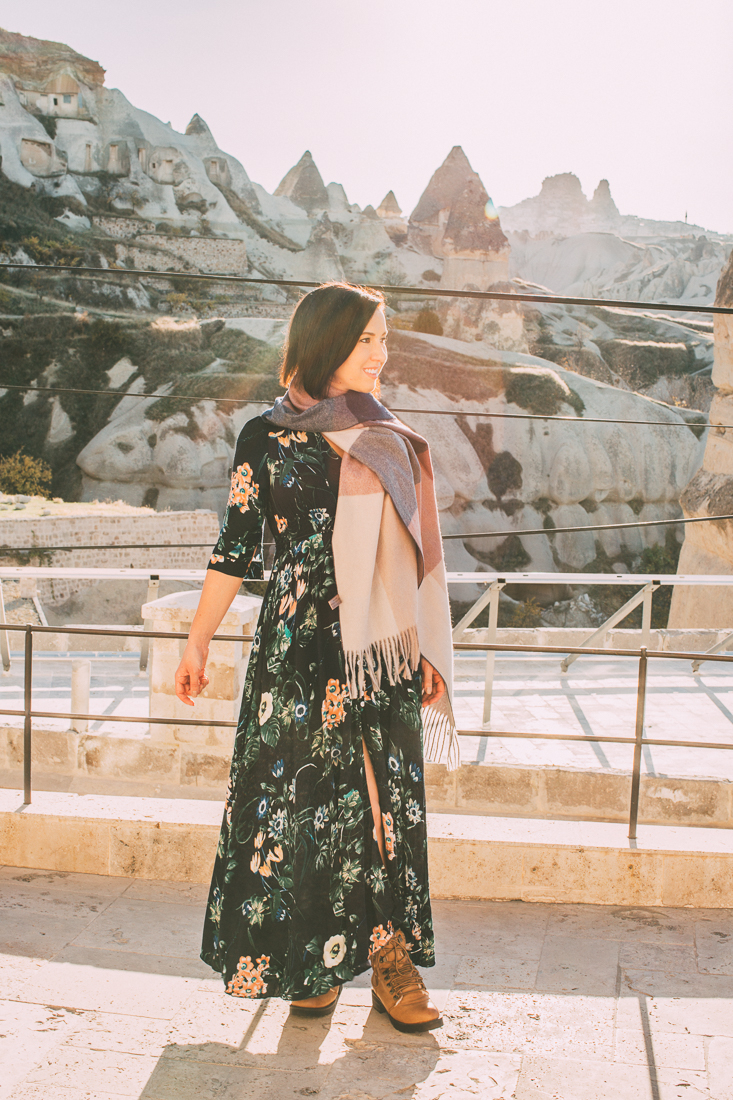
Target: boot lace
[402,977]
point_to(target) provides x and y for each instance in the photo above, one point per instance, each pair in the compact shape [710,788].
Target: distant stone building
[165,165]
[116,158]
[63,97]
[41,158]
[217,169]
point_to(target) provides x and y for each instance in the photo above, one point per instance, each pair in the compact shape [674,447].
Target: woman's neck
[301,400]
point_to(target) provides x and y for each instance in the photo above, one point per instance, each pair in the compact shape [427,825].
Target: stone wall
[708,547]
[124,228]
[218,255]
[108,524]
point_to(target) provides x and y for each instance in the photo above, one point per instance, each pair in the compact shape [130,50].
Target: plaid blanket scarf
[388,553]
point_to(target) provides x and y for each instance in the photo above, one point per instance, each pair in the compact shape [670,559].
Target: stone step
[472,857]
[109,763]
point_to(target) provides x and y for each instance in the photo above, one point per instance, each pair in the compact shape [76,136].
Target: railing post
[153,586]
[81,678]
[646,613]
[494,590]
[27,704]
[639,736]
[4,647]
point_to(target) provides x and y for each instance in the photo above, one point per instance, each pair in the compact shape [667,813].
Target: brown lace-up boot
[398,989]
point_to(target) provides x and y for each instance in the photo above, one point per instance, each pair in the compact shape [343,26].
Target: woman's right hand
[191,678]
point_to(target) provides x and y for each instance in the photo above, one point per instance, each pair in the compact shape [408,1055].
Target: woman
[321,867]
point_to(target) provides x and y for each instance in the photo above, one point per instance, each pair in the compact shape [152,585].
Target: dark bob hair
[323,332]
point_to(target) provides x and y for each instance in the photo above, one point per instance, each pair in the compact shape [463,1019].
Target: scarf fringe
[397,656]
[439,738]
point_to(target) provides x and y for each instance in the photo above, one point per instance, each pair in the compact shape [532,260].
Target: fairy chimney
[708,547]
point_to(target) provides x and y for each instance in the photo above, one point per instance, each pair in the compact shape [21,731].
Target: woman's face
[363,367]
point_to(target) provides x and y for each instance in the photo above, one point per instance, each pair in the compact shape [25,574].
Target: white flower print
[413,811]
[334,951]
[265,707]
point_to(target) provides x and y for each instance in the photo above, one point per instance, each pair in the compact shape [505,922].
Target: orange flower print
[288,605]
[249,979]
[286,438]
[381,935]
[243,491]
[216,558]
[281,524]
[388,826]
[332,709]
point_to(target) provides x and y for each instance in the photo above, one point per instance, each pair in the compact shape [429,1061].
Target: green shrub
[24,474]
[540,392]
[527,614]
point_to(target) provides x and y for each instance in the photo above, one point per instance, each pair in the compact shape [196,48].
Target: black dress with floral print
[299,894]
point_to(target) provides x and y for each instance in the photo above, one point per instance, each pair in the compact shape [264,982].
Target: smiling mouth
[373,372]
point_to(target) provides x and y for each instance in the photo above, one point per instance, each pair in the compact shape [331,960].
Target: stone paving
[102,995]
[597,696]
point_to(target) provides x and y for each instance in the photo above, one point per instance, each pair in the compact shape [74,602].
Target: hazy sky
[637,91]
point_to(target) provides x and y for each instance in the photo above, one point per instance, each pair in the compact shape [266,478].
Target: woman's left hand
[433,684]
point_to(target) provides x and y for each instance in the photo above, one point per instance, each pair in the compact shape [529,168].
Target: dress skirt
[299,894]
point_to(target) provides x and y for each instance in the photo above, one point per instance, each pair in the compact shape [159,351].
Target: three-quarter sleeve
[238,550]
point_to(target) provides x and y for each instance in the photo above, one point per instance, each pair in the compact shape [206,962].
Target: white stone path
[597,696]
[102,995]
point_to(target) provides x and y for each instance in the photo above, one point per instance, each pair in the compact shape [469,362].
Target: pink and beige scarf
[388,553]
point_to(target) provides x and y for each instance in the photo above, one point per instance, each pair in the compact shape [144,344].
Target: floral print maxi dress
[299,894]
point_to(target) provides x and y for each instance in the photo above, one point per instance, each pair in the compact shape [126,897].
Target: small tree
[428,321]
[24,474]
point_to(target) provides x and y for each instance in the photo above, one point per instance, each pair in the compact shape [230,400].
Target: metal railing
[28,713]
[650,584]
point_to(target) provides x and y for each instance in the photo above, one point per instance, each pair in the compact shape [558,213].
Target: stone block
[702,606]
[571,793]
[53,750]
[723,361]
[204,769]
[29,839]
[226,667]
[685,801]
[498,789]
[688,878]
[596,876]
[182,853]
[584,1079]
[720,1066]
[568,965]
[440,786]
[127,758]
[471,869]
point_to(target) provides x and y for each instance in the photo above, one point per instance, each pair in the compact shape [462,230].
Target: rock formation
[500,475]
[108,184]
[36,61]
[389,207]
[304,186]
[561,208]
[708,547]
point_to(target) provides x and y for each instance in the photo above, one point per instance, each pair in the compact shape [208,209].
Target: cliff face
[107,184]
[500,475]
[35,61]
